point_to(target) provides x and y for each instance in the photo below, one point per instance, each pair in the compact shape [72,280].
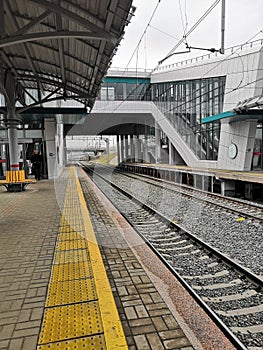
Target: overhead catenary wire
[177,45]
[138,45]
[182,19]
[219,63]
[185,15]
[239,86]
[140,40]
[192,28]
[203,76]
[163,32]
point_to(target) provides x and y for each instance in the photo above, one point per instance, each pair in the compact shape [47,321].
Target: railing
[192,137]
[229,50]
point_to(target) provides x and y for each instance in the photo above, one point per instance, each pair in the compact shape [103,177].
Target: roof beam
[33,23]
[61,48]
[20,39]
[2,19]
[6,59]
[67,70]
[112,8]
[77,7]
[53,82]
[73,97]
[66,54]
[75,18]
[52,28]
[9,63]
[25,47]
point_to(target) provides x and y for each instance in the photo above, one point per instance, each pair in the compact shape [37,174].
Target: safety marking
[113,331]
[69,292]
[69,211]
[69,229]
[72,244]
[71,271]
[72,222]
[80,311]
[70,236]
[96,342]
[70,321]
[63,257]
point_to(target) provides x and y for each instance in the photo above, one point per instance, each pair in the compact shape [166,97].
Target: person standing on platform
[36,161]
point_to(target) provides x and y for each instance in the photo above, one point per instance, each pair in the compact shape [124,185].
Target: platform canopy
[58,49]
[251,108]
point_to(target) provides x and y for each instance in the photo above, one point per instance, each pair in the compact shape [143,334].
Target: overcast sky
[243,21]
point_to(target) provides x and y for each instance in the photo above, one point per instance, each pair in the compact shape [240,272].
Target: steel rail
[238,211]
[254,278]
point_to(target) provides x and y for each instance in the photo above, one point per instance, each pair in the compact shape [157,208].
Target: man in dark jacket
[36,160]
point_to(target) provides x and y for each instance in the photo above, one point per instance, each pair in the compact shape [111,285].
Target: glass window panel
[103,94]
[33,133]
[131,92]
[3,134]
[111,93]
[20,134]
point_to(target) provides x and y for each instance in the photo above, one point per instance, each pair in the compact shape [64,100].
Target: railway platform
[244,184]
[78,278]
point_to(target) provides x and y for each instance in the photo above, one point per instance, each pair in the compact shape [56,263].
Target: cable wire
[193,27]
[154,11]
[163,32]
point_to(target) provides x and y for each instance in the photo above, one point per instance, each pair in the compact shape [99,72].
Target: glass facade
[121,89]
[185,103]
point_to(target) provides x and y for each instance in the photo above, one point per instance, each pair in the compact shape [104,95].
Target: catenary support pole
[222,49]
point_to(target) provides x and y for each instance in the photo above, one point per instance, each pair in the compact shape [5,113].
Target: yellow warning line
[113,331]
[80,311]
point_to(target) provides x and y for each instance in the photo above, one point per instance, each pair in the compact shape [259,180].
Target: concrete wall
[242,134]
[53,134]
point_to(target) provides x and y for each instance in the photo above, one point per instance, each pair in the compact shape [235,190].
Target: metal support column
[171,152]
[137,155]
[145,145]
[132,148]
[12,138]
[157,143]
[126,148]
[122,148]
[118,149]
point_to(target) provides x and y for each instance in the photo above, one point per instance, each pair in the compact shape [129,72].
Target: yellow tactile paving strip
[68,272]
[80,312]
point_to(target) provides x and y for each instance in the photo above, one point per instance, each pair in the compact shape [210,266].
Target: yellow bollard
[8,176]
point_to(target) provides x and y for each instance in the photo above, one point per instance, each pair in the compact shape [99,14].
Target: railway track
[231,294]
[248,210]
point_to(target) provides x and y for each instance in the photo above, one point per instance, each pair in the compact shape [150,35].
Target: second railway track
[230,293]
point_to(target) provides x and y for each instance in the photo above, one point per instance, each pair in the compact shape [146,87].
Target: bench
[15,181]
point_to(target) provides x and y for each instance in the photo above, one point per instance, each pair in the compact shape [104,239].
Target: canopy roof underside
[60,48]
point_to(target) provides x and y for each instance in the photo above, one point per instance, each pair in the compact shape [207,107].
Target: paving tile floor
[29,222]
[29,225]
